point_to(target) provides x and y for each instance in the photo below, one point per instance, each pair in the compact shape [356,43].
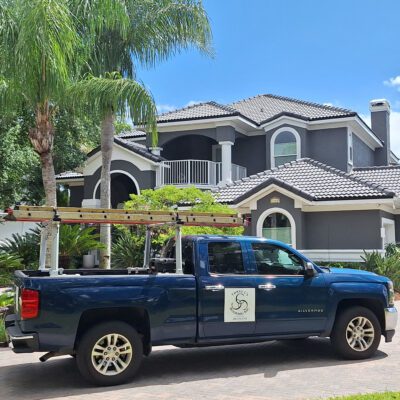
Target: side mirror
[309,270]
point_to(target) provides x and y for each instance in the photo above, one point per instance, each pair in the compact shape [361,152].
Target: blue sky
[342,52]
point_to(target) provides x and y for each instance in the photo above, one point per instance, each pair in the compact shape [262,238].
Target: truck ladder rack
[73,215]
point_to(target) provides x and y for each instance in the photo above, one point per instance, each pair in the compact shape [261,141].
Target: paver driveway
[259,371]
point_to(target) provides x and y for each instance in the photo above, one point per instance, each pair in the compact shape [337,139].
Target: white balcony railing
[201,173]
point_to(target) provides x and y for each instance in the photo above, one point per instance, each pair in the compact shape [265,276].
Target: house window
[277,224]
[285,146]
[350,147]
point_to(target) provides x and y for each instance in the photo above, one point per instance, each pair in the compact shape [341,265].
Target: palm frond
[115,94]
[38,48]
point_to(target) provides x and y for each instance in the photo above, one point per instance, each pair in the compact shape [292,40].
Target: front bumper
[21,342]
[391,316]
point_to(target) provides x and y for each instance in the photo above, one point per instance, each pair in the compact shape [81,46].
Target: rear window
[225,258]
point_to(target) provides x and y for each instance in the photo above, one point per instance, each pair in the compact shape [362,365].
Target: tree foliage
[128,243]
[20,178]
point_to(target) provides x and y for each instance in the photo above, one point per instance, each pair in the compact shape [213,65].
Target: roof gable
[308,178]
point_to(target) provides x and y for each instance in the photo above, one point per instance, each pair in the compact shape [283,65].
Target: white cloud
[393,82]
[163,108]
[193,103]
[394,130]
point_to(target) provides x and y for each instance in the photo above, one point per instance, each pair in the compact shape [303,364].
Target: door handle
[267,286]
[214,288]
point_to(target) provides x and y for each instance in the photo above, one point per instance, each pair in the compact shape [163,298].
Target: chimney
[380,124]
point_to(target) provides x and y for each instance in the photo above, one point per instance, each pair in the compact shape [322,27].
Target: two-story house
[312,175]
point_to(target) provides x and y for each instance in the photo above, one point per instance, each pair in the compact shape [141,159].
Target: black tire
[126,336]
[340,337]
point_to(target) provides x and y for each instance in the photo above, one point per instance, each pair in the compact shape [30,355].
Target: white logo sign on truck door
[240,305]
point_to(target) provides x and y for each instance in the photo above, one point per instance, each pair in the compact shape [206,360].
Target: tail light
[29,303]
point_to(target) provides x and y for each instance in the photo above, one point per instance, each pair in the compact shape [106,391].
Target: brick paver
[271,370]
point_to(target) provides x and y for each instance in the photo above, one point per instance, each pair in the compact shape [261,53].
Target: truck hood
[355,275]
[351,271]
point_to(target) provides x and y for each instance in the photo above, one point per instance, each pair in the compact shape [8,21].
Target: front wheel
[356,333]
[109,353]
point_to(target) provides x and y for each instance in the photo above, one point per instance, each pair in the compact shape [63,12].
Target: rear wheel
[356,333]
[109,353]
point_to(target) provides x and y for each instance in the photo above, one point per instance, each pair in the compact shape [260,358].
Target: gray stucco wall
[189,147]
[250,152]
[327,230]
[76,196]
[329,146]
[380,124]
[343,230]
[145,179]
[287,204]
[363,156]
[397,227]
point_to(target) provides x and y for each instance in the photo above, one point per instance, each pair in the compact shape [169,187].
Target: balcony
[200,173]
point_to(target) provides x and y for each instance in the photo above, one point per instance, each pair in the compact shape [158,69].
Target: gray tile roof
[267,106]
[308,178]
[134,147]
[138,149]
[258,109]
[69,175]
[387,177]
[132,134]
[198,111]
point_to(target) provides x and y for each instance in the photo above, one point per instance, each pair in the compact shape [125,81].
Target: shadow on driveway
[59,377]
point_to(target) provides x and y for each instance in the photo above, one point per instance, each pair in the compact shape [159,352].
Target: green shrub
[387,265]
[26,247]
[128,246]
[76,241]
[8,264]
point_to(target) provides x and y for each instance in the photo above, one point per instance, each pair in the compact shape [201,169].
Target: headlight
[391,293]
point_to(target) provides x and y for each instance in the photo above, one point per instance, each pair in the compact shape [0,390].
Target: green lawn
[372,396]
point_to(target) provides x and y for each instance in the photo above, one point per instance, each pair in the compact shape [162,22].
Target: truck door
[287,302]
[226,290]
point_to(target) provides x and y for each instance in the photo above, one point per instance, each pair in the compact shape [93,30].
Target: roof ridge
[376,167]
[309,103]
[291,99]
[211,102]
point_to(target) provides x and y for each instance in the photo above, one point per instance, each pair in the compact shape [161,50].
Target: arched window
[285,146]
[277,224]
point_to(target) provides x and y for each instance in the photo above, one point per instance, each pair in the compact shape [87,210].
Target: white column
[226,158]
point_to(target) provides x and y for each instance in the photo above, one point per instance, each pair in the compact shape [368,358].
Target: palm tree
[38,43]
[107,96]
[120,34]
[38,47]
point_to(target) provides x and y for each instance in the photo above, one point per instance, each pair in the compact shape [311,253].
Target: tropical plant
[387,265]
[120,34]
[76,241]
[8,264]
[26,247]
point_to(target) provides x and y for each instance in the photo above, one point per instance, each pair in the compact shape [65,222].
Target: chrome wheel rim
[112,354]
[360,333]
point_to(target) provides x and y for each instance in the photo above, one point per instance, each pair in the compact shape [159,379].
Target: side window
[274,260]
[187,257]
[225,258]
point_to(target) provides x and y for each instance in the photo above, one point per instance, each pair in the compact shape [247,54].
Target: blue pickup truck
[232,290]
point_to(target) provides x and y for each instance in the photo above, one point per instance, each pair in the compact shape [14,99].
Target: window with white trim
[350,147]
[277,226]
[285,147]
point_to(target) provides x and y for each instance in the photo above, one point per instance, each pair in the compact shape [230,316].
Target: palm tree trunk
[41,137]
[107,141]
